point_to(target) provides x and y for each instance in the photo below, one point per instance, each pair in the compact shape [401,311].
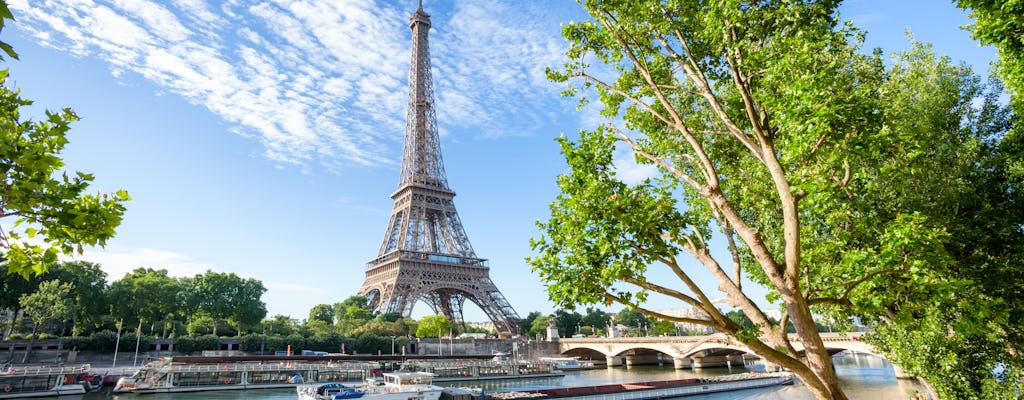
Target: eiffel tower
[426,254]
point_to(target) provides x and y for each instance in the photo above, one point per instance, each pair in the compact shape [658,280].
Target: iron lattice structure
[426,254]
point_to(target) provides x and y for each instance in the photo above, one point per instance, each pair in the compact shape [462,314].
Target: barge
[654,389]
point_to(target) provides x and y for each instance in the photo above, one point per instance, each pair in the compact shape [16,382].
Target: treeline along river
[864,377]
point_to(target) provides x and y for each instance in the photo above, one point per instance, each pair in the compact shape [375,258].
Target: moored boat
[654,389]
[22,382]
[395,386]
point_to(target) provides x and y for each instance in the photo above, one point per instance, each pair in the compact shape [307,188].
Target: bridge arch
[691,351]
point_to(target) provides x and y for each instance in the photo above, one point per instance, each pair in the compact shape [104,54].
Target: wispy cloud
[119,261]
[317,83]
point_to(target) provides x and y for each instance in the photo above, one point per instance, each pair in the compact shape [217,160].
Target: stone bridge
[718,350]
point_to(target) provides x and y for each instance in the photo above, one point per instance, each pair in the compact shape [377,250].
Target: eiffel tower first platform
[426,254]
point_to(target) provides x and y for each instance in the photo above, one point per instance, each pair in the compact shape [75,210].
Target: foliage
[539,328]
[279,324]
[207,342]
[526,323]
[567,323]
[322,312]
[433,326]
[226,296]
[5,14]
[144,295]
[252,343]
[1000,23]
[973,328]
[102,341]
[330,342]
[596,318]
[631,318]
[740,319]
[89,288]
[52,212]
[369,343]
[661,327]
[79,343]
[49,304]
[771,134]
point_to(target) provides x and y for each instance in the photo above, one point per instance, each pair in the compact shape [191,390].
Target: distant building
[688,327]
[487,325]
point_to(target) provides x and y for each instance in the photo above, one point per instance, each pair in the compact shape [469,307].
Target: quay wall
[52,351]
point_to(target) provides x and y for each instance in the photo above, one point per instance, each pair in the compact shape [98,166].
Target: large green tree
[226,296]
[144,296]
[51,303]
[766,127]
[966,342]
[433,326]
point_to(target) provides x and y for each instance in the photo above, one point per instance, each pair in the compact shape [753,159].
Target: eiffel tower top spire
[422,163]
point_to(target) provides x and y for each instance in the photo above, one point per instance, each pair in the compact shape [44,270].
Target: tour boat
[395,386]
[22,382]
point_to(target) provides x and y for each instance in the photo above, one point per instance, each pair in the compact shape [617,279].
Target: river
[863,376]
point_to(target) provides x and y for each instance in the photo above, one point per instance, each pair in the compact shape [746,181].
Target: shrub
[76,343]
[185,344]
[251,342]
[296,341]
[276,343]
[330,342]
[207,342]
[15,336]
[102,341]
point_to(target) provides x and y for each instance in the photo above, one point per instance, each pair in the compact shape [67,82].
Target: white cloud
[626,167]
[118,261]
[318,82]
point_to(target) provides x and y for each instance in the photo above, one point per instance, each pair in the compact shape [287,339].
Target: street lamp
[392,345]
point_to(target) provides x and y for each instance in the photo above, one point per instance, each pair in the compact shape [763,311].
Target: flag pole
[138,334]
[117,343]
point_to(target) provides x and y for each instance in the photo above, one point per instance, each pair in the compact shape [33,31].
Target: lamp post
[392,345]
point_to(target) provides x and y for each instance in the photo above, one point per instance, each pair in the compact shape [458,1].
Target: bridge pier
[709,362]
[642,359]
[682,362]
[613,361]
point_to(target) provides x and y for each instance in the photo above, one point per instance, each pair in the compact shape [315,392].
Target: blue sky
[264,137]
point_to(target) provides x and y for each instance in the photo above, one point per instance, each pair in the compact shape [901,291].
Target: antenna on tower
[421,4]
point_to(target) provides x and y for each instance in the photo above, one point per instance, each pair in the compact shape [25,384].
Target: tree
[144,295]
[568,323]
[322,312]
[526,323]
[279,325]
[12,287]
[765,126]
[539,327]
[999,23]
[433,326]
[51,303]
[89,292]
[965,341]
[46,205]
[632,319]
[596,318]
[226,296]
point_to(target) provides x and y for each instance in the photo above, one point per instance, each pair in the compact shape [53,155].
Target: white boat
[396,386]
[567,363]
[20,382]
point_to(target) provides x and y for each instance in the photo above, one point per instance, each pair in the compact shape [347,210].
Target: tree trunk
[31,343]
[816,356]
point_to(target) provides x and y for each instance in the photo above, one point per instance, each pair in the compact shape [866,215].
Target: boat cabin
[408,379]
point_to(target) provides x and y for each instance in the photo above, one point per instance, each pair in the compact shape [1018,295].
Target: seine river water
[864,377]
